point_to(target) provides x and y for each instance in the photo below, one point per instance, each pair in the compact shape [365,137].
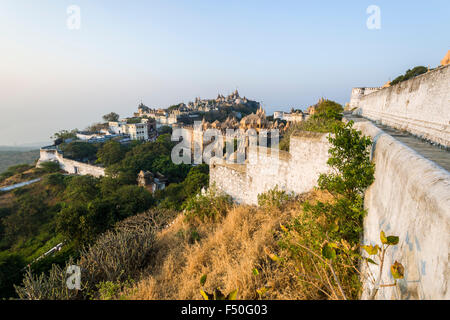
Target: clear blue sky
[283,53]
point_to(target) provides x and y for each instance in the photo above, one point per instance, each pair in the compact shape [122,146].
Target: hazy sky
[283,53]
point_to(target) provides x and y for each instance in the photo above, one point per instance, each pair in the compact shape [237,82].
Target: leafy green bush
[79,150]
[328,109]
[173,196]
[328,114]
[111,290]
[107,266]
[149,156]
[273,198]
[111,152]
[120,253]
[11,266]
[26,219]
[410,73]
[49,167]
[55,180]
[352,173]
[212,205]
[310,240]
[165,130]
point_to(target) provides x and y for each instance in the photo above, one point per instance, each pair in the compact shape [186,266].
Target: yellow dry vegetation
[239,252]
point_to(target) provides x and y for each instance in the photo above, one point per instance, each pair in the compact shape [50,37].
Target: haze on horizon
[284,54]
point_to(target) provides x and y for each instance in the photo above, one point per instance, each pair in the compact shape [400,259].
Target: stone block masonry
[296,171]
[70,166]
[410,198]
[420,105]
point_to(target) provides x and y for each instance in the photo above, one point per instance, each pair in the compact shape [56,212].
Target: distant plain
[10,156]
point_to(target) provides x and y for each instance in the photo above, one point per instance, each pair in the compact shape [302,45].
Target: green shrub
[111,290]
[55,180]
[111,152]
[120,253]
[410,73]
[328,109]
[274,198]
[352,173]
[111,262]
[310,241]
[328,114]
[49,167]
[11,266]
[79,150]
[212,205]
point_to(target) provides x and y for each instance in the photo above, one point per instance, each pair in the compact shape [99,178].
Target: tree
[24,222]
[110,153]
[63,135]
[81,188]
[165,130]
[410,74]
[111,117]
[131,200]
[197,178]
[73,224]
[96,127]
[79,150]
[328,114]
[352,172]
[49,167]
[329,110]
[11,266]
[350,159]
[55,180]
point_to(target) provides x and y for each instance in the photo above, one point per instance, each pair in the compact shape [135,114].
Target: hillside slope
[10,158]
[240,252]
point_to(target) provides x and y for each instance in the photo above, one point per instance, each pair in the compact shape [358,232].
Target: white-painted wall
[420,105]
[295,172]
[410,198]
[70,166]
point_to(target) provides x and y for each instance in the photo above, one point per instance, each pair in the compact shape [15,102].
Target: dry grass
[227,252]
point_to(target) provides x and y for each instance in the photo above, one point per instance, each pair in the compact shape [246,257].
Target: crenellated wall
[420,105]
[409,198]
[296,171]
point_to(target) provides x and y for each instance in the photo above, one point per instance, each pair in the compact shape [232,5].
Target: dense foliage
[310,239]
[79,150]
[352,173]
[112,116]
[410,73]
[76,210]
[327,114]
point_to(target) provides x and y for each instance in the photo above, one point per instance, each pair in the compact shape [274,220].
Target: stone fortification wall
[420,105]
[70,166]
[409,198]
[296,171]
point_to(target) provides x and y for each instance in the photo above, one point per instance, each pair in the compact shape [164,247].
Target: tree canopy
[112,116]
[79,150]
[111,152]
[410,73]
